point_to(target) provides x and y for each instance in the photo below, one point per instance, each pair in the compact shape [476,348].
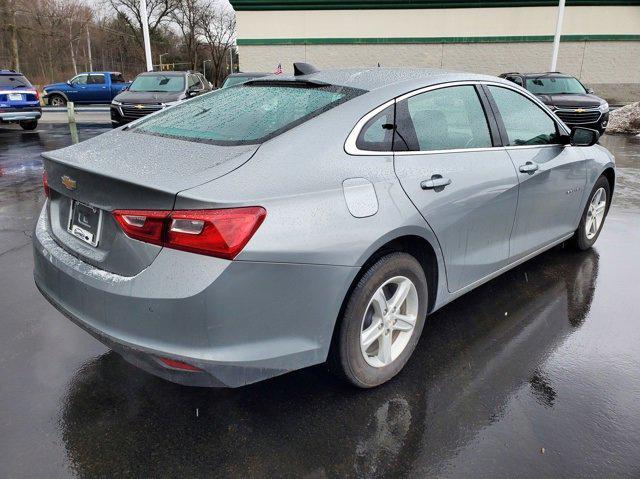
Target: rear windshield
[13,82]
[246,114]
[158,83]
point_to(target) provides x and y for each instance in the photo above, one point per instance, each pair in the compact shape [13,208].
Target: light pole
[204,68]
[162,66]
[556,38]
[145,34]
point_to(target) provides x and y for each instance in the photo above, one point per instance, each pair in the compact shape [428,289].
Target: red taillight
[37,95]
[172,363]
[143,225]
[45,184]
[221,233]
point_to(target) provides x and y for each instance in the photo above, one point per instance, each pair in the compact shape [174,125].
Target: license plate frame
[86,228]
[14,96]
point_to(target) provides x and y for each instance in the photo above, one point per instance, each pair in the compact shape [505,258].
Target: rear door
[459,178]
[552,176]
[97,89]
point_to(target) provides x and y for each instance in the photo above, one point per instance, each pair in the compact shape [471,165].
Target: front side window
[549,85]
[158,83]
[80,80]
[524,121]
[246,114]
[443,119]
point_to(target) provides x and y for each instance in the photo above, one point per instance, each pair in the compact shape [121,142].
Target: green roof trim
[507,39]
[258,5]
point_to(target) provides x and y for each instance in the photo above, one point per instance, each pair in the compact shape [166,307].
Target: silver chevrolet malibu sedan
[321,216]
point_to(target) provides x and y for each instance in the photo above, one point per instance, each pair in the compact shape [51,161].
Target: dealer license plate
[15,97]
[85,222]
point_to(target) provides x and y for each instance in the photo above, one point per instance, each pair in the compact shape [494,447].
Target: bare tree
[158,13]
[218,28]
[188,17]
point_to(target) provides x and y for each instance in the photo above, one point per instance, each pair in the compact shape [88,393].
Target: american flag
[278,70]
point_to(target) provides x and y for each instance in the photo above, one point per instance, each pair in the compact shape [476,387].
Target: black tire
[346,356]
[29,124]
[580,239]
[57,100]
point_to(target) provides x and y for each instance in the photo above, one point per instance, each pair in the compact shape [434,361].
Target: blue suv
[19,100]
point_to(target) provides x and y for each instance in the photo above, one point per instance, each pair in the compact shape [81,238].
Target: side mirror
[589,91]
[583,136]
[193,91]
[69,83]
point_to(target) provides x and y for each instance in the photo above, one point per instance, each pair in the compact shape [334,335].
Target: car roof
[170,73]
[10,72]
[378,78]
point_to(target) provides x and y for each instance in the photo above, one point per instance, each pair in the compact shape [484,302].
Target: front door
[464,187]
[78,90]
[552,176]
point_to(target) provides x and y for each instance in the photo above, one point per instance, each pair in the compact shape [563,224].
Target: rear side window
[377,133]
[13,82]
[443,119]
[525,122]
[117,78]
[96,79]
[246,114]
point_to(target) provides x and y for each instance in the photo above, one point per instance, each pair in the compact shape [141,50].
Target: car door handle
[436,181]
[529,167]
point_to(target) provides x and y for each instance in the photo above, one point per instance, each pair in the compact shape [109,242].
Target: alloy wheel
[389,321]
[595,213]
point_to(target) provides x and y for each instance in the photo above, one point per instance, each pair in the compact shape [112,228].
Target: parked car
[277,224]
[567,97]
[19,100]
[153,91]
[89,87]
[238,78]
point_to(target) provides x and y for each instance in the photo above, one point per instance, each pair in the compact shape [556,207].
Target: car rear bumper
[18,114]
[239,322]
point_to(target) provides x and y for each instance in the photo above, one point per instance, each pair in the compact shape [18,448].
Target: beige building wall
[429,38]
[459,22]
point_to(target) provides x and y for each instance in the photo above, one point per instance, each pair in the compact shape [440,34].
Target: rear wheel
[29,124]
[593,215]
[57,100]
[382,321]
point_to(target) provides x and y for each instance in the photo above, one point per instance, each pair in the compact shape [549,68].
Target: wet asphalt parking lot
[535,374]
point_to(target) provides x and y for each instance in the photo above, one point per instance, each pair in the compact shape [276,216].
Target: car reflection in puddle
[475,354]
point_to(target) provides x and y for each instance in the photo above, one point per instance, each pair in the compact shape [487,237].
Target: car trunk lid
[126,170]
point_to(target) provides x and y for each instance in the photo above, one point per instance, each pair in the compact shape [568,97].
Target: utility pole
[89,49]
[204,68]
[231,60]
[145,34]
[556,38]
[13,29]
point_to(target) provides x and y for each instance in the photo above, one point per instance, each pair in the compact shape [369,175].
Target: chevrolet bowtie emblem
[579,110]
[69,183]
[139,107]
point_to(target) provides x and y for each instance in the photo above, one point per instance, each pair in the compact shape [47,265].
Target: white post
[145,34]
[556,38]
[231,60]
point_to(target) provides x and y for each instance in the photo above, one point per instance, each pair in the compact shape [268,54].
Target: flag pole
[145,34]
[556,38]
